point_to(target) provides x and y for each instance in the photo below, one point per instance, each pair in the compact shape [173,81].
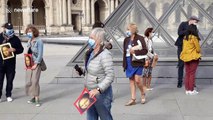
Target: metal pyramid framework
[164,17]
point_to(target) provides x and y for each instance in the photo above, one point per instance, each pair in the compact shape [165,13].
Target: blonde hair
[134,27]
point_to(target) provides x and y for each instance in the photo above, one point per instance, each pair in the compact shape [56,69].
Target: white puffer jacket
[100,71]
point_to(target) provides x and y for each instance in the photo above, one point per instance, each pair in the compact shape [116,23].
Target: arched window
[100,8]
[38,18]
[14,13]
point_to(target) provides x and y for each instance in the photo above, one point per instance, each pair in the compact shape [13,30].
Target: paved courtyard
[165,102]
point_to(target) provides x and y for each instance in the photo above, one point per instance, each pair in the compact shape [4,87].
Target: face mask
[128,33]
[91,43]
[8,32]
[152,34]
[30,35]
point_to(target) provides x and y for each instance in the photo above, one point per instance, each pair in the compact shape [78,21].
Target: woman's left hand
[34,66]
[93,93]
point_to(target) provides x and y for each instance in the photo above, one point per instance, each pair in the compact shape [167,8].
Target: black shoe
[179,85]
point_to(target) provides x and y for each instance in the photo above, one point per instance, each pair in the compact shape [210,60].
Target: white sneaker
[194,92]
[149,89]
[0,100]
[187,92]
[9,99]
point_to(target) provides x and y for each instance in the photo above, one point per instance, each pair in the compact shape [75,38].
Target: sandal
[143,99]
[131,102]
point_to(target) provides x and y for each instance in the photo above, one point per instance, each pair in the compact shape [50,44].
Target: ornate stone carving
[76,3]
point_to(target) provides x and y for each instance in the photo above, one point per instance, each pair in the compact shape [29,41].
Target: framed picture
[28,60]
[84,102]
[4,51]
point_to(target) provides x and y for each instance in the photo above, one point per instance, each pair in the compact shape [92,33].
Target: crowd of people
[139,58]
[8,66]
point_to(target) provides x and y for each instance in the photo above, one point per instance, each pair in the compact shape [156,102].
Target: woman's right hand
[93,93]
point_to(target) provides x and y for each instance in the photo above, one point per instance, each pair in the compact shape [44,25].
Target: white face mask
[128,33]
[153,34]
[9,32]
[91,43]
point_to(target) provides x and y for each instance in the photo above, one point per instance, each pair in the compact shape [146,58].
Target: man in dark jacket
[179,43]
[7,66]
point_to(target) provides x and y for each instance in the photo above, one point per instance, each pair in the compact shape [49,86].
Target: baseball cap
[8,26]
[194,18]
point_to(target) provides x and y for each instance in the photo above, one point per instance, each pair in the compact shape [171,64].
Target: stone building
[55,16]
[69,16]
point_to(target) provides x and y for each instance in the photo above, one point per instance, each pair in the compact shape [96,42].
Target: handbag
[43,65]
[139,58]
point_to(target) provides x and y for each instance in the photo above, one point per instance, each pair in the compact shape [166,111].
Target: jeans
[180,65]
[190,68]
[102,106]
[9,71]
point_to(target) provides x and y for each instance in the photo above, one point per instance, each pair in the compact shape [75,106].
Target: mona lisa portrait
[28,61]
[84,102]
[4,48]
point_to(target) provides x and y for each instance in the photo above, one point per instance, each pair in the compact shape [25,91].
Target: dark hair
[98,24]
[34,30]
[147,31]
[7,46]
[192,30]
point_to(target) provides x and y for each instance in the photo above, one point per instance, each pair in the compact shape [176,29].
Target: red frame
[31,61]
[82,95]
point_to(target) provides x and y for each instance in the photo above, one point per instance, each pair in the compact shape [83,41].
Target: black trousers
[7,70]
[180,65]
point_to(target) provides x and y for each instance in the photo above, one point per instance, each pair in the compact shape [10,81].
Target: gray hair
[100,34]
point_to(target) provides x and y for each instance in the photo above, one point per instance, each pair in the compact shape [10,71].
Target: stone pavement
[165,102]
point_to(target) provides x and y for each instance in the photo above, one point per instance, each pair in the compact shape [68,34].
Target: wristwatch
[99,90]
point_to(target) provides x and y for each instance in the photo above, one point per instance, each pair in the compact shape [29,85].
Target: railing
[41,29]
[17,27]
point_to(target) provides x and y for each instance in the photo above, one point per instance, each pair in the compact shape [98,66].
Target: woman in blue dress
[134,45]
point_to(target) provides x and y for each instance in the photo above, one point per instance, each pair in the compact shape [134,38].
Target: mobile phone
[77,68]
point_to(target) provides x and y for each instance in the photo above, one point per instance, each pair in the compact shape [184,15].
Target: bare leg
[37,101]
[138,81]
[144,83]
[133,89]
[133,93]
[149,81]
